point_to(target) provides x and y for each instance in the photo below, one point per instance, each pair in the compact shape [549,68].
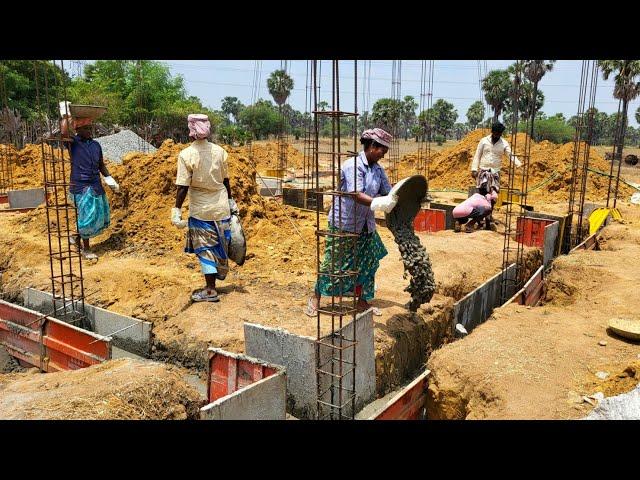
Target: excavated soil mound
[140,212]
[450,168]
[123,389]
[266,155]
[536,363]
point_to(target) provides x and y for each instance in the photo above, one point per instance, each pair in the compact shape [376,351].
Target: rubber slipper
[376,311]
[202,296]
[89,255]
[310,310]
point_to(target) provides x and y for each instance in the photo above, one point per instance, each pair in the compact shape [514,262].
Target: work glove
[112,183]
[385,203]
[233,207]
[65,108]
[176,218]
[474,173]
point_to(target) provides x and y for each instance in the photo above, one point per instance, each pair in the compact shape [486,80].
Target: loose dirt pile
[123,389]
[450,168]
[536,363]
[265,155]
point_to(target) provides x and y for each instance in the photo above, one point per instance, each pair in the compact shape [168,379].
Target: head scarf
[379,135]
[199,126]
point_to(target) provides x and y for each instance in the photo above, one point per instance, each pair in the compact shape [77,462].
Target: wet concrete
[415,258]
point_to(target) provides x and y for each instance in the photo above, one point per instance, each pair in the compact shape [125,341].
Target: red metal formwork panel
[409,403]
[20,332]
[533,288]
[4,199]
[47,343]
[230,372]
[429,220]
[68,347]
[530,231]
[589,243]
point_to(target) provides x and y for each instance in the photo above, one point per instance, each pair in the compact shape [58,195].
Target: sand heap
[140,212]
[27,166]
[450,168]
[265,155]
[123,389]
[142,209]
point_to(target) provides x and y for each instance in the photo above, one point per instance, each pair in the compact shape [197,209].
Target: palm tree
[533,71]
[496,87]
[626,89]
[280,85]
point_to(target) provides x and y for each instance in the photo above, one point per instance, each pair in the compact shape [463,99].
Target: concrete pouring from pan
[411,191]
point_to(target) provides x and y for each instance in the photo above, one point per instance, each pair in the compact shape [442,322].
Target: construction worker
[203,172]
[485,167]
[473,210]
[373,189]
[87,163]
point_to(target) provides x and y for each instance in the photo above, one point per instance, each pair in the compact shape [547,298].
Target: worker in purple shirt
[87,163]
[364,175]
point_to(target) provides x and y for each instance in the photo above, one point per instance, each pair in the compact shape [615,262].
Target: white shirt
[202,167]
[489,155]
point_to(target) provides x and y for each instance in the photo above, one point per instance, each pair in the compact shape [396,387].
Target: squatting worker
[87,163]
[371,182]
[485,167]
[203,172]
[473,210]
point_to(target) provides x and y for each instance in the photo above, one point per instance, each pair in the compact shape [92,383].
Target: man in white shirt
[203,173]
[486,164]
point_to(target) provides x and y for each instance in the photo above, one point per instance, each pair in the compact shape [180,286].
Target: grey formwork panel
[128,333]
[475,307]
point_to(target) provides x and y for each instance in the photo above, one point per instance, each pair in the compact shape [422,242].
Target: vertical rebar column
[335,349]
[573,234]
[65,260]
[309,144]
[426,98]
[281,168]
[618,145]
[141,116]
[585,163]
[394,149]
[508,284]
[7,141]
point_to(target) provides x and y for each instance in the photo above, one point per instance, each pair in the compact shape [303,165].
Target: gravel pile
[115,147]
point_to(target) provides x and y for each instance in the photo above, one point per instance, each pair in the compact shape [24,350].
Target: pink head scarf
[199,126]
[379,135]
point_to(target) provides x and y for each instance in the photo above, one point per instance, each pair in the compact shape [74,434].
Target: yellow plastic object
[599,216]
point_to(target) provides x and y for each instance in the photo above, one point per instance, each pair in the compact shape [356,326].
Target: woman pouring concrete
[372,187]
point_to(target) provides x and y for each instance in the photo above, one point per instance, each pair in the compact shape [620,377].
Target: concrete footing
[29,198]
[297,354]
[128,333]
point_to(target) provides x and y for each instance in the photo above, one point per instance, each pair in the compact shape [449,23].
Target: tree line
[144,96]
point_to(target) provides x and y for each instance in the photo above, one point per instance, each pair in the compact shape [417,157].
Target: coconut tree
[496,86]
[626,89]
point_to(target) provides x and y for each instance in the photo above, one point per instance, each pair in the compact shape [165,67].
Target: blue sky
[454,80]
